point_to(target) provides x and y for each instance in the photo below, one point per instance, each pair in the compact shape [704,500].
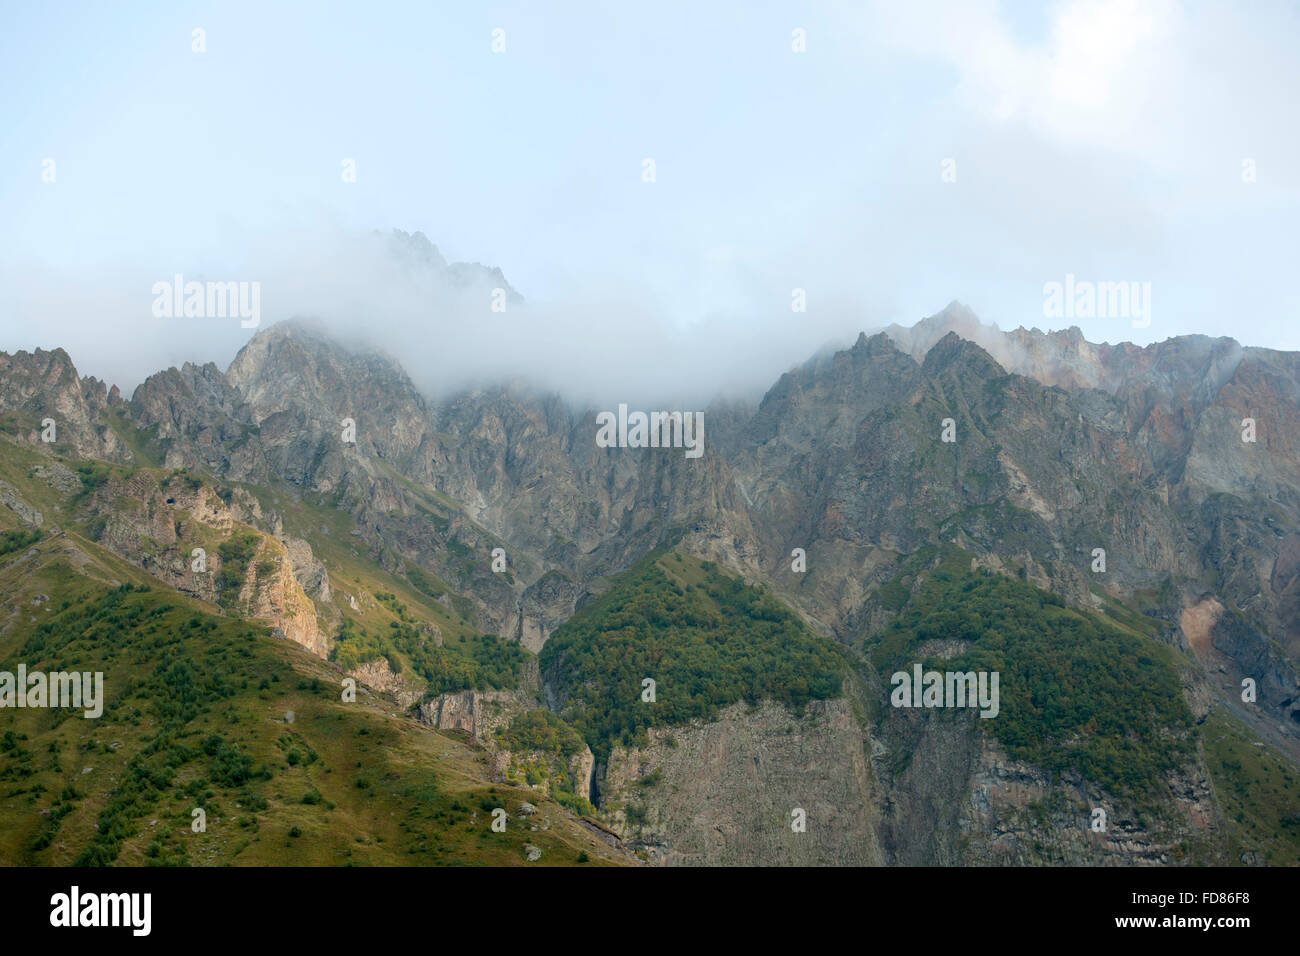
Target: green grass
[195,718]
[236,551]
[1258,793]
[17,539]
[478,662]
[541,730]
[141,442]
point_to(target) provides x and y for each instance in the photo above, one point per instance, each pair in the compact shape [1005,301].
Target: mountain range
[1114,529]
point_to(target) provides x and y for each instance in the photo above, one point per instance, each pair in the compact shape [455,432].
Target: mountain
[936,494]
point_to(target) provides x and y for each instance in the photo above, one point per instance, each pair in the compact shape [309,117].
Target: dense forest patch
[1077,691]
[706,638]
[473,662]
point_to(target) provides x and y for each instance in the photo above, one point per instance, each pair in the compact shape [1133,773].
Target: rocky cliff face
[39,386]
[846,459]
[379,676]
[478,713]
[730,791]
[961,801]
[1014,814]
[513,766]
[158,522]
[440,486]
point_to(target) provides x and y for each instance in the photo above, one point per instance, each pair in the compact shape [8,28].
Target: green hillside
[706,638]
[208,712]
[1077,690]
[1259,793]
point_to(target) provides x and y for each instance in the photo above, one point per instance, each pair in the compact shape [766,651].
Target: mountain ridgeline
[674,660]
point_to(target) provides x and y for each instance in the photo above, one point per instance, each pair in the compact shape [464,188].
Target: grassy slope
[391,791]
[1258,793]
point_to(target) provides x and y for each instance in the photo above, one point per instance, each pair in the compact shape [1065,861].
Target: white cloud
[1102,74]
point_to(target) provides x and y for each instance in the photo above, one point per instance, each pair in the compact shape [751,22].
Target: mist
[611,344]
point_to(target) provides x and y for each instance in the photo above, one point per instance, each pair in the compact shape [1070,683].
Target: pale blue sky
[1097,137]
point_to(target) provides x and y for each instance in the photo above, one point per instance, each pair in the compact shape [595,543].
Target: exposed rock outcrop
[379,676]
[726,792]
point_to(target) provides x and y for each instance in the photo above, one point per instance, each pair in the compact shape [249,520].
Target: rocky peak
[953,353]
[954,317]
[45,384]
[294,367]
[415,250]
[419,258]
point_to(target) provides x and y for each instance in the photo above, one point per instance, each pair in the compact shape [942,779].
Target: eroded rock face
[157,525]
[478,713]
[379,676]
[10,499]
[57,476]
[725,792]
[274,595]
[961,801]
[199,419]
[44,385]
[483,714]
[544,606]
[311,573]
[506,764]
[1017,815]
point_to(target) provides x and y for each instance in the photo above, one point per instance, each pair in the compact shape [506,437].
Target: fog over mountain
[397,292]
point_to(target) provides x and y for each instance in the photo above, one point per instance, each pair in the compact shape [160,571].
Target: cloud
[1137,77]
[600,344]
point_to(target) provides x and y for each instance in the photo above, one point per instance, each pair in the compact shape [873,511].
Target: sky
[909,155]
